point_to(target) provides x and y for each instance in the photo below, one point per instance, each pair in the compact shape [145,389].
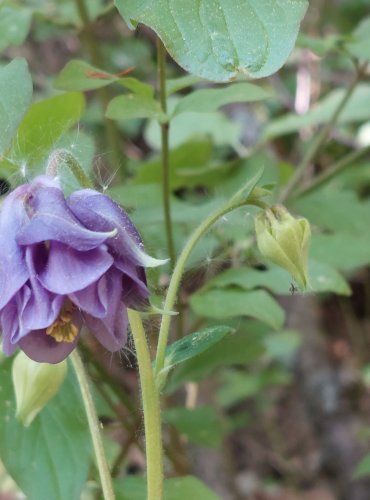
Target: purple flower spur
[66,263]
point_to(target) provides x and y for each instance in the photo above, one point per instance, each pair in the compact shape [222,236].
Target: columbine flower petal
[51,219]
[68,270]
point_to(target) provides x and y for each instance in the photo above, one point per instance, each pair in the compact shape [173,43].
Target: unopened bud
[35,384]
[284,240]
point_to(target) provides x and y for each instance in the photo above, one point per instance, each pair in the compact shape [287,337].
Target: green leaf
[244,346]
[80,76]
[227,303]
[208,100]
[175,84]
[14,25]
[360,46]
[323,278]
[177,488]
[218,39]
[281,346]
[126,107]
[192,345]
[15,98]
[42,127]
[363,468]
[200,425]
[50,458]
[355,110]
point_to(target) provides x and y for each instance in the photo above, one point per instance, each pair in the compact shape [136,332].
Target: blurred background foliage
[279,409]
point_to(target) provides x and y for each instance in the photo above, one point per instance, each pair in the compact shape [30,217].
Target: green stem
[60,156]
[318,141]
[165,128]
[177,274]
[94,426]
[331,172]
[151,407]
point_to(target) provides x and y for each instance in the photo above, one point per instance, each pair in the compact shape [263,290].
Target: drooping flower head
[66,263]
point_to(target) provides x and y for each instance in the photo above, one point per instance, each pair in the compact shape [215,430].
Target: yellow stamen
[63,329]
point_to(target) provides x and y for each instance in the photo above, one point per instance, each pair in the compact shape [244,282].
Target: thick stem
[94,426]
[151,408]
[165,128]
[318,142]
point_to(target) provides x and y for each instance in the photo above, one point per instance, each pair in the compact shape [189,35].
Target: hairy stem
[176,279]
[151,408]
[165,128]
[63,156]
[94,426]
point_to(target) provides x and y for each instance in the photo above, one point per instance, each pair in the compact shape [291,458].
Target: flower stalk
[94,426]
[151,408]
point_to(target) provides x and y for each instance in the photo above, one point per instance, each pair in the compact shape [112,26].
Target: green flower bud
[284,240]
[35,384]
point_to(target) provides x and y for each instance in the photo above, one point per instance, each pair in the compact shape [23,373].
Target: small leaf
[227,303]
[363,468]
[217,40]
[14,25]
[126,107]
[190,346]
[15,98]
[200,425]
[43,126]
[208,100]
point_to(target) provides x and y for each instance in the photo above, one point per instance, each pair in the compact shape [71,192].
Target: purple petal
[93,299]
[111,331]
[135,293]
[10,323]
[44,348]
[69,270]
[13,269]
[51,219]
[43,307]
[99,212]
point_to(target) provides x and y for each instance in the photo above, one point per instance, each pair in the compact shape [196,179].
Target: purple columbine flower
[65,263]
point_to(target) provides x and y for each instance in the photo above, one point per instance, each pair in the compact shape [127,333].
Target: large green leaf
[218,39]
[50,458]
[230,302]
[15,97]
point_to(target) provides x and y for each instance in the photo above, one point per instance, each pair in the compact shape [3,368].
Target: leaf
[15,24]
[192,345]
[208,100]
[15,98]
[363,468]
[42,127]
[187,126]
[126,107]
[182,82]
[355,110]
[227,303]
[243,347]
[218,39]
[281,346]
[360,46]
[80,76]
[50,458]
[323,278]
[200,425]
[177,488]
